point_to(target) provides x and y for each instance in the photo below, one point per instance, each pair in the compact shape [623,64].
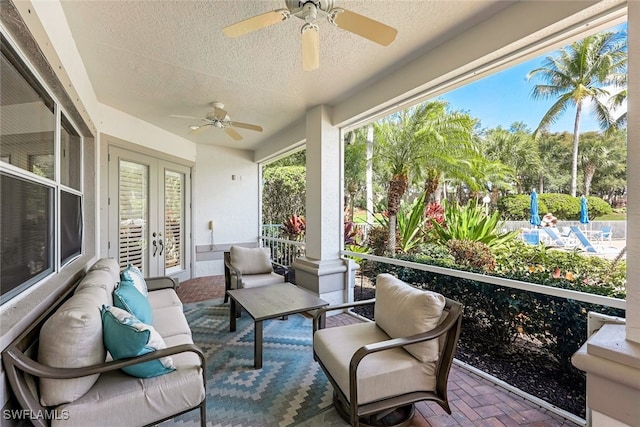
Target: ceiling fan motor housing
[297,7]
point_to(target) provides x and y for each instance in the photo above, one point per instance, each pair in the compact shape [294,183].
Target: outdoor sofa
[61,373]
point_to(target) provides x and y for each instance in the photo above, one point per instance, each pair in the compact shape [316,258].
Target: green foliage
[377,239]
[283,193]
[410,222]
[475,255]
[498,315]
[470,223]
[598,207]
[562,206]
[516,207]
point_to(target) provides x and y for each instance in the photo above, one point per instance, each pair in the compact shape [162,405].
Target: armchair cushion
[251,260]
[402,311]
[380,375]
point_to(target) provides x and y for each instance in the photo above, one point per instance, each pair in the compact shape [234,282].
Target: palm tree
[516,148]
[580,73]
[419,143]
[599,153]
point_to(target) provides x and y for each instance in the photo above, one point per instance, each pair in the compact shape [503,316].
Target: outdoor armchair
[383,367]
[248,268]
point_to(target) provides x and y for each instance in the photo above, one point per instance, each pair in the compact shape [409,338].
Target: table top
[271,301]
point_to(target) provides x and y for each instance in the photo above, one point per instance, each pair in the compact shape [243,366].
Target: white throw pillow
[251,260]
[402,310]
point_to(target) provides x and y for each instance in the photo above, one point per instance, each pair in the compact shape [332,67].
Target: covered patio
[123,71]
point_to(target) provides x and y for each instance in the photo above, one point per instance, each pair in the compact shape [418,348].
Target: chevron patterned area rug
[289,389]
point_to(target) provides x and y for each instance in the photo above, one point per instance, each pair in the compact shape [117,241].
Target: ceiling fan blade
[219,113]
[256,23]
[185,117]
[233,134]
[361,25]
[246,126]
[310,47]
[198,130]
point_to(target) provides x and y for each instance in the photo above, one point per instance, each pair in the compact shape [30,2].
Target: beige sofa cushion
[72,338]
[251,260]
[120,400]
[383,374]
[99,279]
[402,310]
[110,265]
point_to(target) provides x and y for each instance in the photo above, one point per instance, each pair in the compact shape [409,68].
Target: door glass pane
[174,219]
[133,194]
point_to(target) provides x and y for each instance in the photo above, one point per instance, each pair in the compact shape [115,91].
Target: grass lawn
[613,216]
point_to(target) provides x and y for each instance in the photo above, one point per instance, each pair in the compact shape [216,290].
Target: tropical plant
[473,254]
[599,153]
[470,222]
[294,227]
[419,144]
[411,222]
[580,73]
[514,147]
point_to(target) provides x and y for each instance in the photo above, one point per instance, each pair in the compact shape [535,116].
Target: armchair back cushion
[402,310]
[251,260]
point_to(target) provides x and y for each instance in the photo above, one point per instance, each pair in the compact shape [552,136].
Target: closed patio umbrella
[584,211]
[534,217]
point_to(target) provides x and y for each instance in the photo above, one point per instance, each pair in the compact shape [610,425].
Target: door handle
[161,247]
[155,248]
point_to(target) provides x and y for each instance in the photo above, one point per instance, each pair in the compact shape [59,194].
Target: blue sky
[504,98]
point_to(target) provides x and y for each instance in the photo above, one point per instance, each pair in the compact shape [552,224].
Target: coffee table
[270,302]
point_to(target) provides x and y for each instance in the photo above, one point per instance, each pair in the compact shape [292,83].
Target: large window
[40,180]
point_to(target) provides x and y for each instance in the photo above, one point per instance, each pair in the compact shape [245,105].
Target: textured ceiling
[152,59]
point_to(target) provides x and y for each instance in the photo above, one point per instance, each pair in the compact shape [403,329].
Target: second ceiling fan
[218,118]
[308,11]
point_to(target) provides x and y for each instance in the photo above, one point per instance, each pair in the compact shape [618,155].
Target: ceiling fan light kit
[308,11]
[218,118]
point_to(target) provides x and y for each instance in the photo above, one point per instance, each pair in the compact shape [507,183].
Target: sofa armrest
[156,283]
[18,360]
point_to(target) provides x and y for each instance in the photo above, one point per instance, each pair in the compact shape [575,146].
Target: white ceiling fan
[308,11]
[218,118]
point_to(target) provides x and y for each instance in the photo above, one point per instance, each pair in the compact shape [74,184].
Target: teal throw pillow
[127,297]
[133,274]
[125,336]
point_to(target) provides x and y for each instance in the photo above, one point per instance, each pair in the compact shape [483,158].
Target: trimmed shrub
[562,206]
[474,255]
[516,207]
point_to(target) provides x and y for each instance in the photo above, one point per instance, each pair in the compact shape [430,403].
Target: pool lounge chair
[531,237]
[555,238]
[588,246]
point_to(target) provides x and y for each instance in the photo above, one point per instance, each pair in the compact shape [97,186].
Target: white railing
[283,252]
[499,281]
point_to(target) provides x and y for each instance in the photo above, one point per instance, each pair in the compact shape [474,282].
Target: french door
[150,214]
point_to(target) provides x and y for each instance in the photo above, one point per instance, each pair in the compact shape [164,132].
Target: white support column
[633,174]
[611,356]
[321,270]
